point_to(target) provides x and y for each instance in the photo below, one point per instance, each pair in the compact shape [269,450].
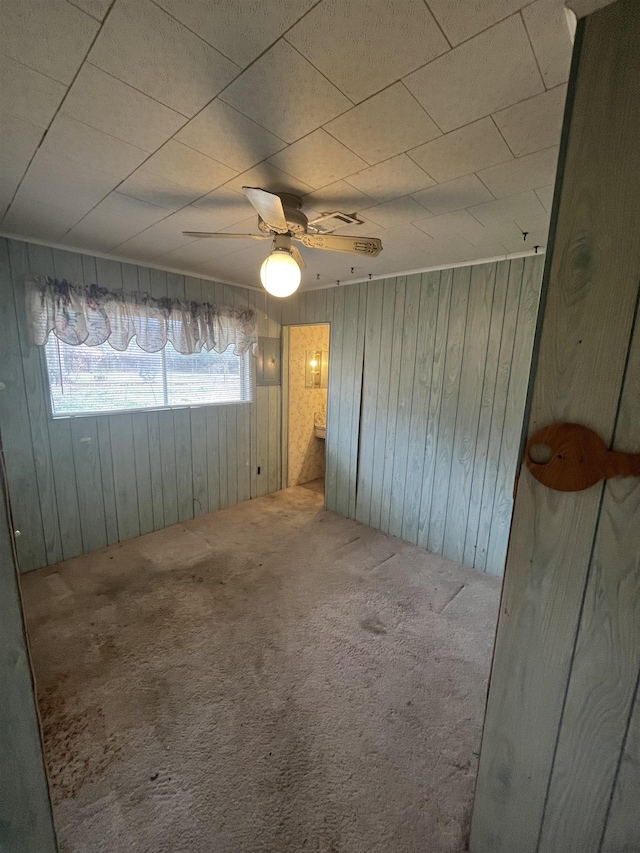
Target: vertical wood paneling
[379,413]
[373,324]
[334,399]
[486,413]
[433,415]
[623,812]
[37,394]
[397,344]
[604,671]
[392,344]
[124,475]
[82,483]
[501,390]
[439,391]
[408,368]
[199,461]
[213,458]
[184,469]
[14,423]
[274,404]
[155,465]
[567,654]
[106,476]
[346,397]
[86,455]
[354,448]
[449,407]
[143,471]
[465,437]
[168,467]
[514,411]
[420,394]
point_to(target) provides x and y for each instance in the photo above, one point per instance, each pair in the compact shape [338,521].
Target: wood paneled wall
[428,378]
[26,822]
[560,759]
[137,472]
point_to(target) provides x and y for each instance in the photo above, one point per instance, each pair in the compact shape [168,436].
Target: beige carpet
[271,678]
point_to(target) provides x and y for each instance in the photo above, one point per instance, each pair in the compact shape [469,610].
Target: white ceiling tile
[384,125]
[404,258]
[495,233]
[391,179]
[491,71]
[454,195]
[266,176]
[225,207]
[533,222]
[96,8]
[43,221]
[191,169]
[160,191]
[239,30]
[521,207]
[246,225]
[73,140]
[143,46]
[449,224]
[363,48]
[340,196]
[400,235]
[51,37]
[27,94]
[284,93]
[223,133]
[318,159]
[204,251]
[551,37]
[476,146]
[461,21]
[545,194]
[64,185]
[533,124]
[449,251]
[99,100]
[525,173]
[534,238]
[117,218]
[19,141]
[487,251]
[165,235]
[390,214]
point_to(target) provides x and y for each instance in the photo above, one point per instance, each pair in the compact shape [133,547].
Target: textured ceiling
[124,123]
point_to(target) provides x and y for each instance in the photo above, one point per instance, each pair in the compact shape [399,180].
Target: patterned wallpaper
[306,453]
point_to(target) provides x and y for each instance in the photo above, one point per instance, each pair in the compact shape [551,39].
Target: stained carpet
[270,678]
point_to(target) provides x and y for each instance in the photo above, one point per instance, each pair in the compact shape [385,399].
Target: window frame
[250,380]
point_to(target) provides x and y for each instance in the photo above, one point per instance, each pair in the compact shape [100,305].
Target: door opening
[305,382]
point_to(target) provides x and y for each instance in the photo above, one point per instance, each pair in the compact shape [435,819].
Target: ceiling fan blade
[370,246]
[226,236]
[270,208]
[297,257]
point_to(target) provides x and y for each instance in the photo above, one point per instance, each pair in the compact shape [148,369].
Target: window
[92,380]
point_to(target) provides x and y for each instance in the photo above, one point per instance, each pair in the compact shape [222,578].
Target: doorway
[305,381]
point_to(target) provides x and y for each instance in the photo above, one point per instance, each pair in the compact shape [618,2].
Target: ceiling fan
[281,219]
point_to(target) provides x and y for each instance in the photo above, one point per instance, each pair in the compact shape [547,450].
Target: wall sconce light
[316,369]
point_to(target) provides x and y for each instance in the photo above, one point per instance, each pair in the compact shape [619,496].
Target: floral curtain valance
[88,314]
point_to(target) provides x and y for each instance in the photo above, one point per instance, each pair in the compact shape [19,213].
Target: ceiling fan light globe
[280,274]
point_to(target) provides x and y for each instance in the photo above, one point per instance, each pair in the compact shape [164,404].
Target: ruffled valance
[88,314]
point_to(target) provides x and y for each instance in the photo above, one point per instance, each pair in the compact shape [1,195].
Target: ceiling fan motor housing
[296,220]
